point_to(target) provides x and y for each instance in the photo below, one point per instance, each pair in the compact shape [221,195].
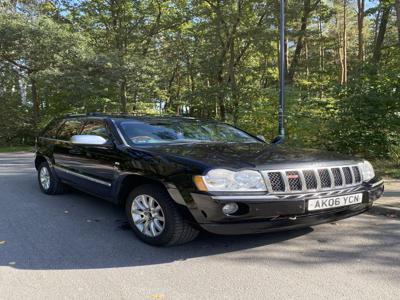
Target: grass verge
[387,169]
[4,149]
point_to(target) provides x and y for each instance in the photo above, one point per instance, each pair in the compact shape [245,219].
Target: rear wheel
[48,182]
[155,217]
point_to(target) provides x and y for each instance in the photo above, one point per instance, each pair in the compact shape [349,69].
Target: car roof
[138,117]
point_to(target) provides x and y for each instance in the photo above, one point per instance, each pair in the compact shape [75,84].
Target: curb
[388,211]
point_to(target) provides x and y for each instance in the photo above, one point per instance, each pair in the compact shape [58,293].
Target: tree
[344,62]
[397,6]
[213,59]
[377,53]
[34,47]
[360,22]
[307,10]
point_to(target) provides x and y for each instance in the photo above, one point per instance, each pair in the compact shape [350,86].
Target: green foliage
[209,59]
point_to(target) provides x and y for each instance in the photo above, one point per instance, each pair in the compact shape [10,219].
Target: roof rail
[135,114]
[74,115]
[132,114]
[97,114]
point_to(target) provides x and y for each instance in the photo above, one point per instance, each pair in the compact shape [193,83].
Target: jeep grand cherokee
[176,176]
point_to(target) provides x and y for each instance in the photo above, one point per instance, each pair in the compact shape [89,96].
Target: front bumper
[266,213]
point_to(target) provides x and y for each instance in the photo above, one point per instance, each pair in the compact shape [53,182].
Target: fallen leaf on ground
[157,296]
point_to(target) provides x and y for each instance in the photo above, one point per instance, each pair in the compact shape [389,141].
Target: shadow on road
[392,194]
[90,233]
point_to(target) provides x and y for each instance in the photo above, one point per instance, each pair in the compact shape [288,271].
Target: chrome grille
[325,178]
[276,180]
[357,174]
[347,175]
[294,180]
[311,180]
[318,179]
[337,176]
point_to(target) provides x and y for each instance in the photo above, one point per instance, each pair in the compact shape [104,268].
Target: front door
[96,165]
[64,154]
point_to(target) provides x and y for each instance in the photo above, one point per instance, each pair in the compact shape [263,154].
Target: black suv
[176,176]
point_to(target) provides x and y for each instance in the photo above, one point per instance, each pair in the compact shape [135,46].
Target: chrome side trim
[83,176]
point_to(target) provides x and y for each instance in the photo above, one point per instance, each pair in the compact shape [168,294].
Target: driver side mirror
[90,140]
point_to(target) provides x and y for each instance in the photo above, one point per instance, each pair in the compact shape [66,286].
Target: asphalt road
[76,246]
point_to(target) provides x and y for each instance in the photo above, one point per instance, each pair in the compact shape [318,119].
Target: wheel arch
[131,181]
[39,159]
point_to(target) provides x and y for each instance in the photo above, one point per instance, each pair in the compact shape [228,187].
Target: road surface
[78,247]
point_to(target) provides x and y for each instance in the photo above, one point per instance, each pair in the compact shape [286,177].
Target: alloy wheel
[45,178]
[148,215]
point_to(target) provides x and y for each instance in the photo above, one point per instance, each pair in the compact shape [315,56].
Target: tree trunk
[221,95]
[340,51]
[307,59]
[321,56]
[343,63]
[300,41]
[122,95]
[221,61]
[360,21]
[36,103]
[376,25]
[120,43]
[170,101]
[344,77]
[381,36]
[233,85]
[397,5]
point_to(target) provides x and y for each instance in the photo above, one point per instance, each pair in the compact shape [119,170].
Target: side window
[68,129]
[51,130]
[95,127]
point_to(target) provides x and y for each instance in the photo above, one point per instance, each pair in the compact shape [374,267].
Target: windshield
[181,131]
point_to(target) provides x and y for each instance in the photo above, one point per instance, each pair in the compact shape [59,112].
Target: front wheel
[155,217]
[48,182]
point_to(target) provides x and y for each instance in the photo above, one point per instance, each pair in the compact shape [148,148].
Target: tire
[54,186]
[176,229]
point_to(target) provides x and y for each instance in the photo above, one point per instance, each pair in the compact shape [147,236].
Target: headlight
[367,170]
[225,180]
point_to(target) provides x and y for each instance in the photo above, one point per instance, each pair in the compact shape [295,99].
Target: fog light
[230,208]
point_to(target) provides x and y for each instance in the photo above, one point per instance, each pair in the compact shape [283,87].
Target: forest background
[214,59]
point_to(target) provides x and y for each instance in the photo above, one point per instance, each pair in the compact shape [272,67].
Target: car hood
[250,155]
